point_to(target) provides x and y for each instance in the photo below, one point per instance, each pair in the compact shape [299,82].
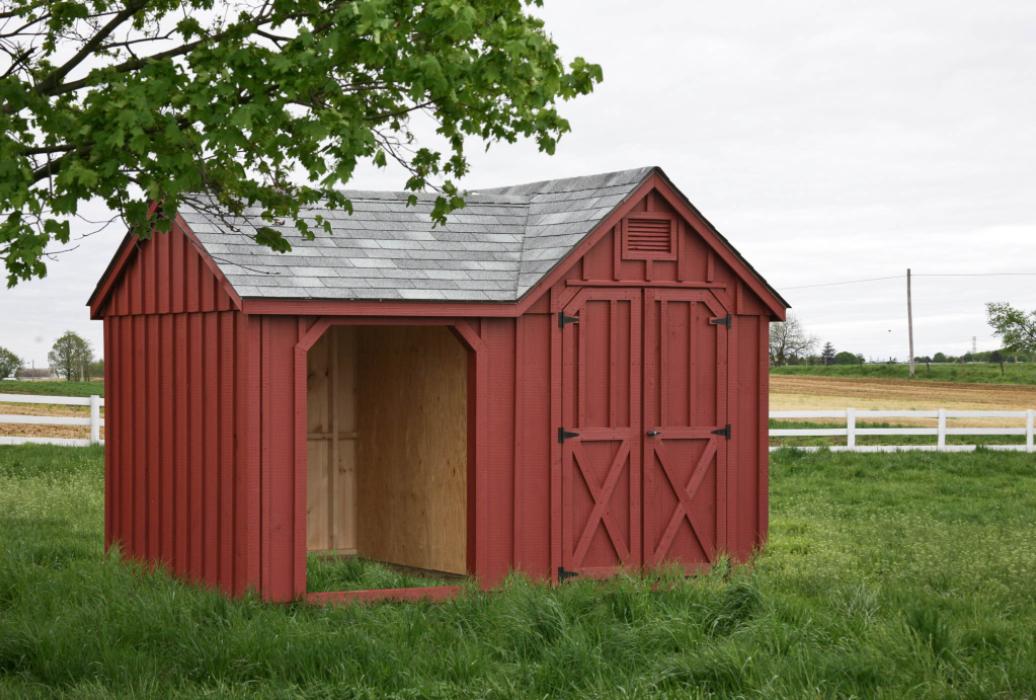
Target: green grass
[979,373]
[324,573]
[52,388]
[886,576]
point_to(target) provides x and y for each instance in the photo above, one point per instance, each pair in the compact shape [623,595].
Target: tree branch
[50,168]
[54,79]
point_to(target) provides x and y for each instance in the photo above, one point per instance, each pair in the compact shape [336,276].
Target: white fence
[851,431]
[1026,420]
[95,422]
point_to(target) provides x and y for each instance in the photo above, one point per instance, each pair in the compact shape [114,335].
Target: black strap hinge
[727,321]
[564,319]
[565,434]
[726,431]
[564,574]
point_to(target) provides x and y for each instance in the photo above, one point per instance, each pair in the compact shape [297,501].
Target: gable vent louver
[650,238]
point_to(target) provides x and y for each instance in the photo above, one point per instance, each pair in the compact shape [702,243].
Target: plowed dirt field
[818,393]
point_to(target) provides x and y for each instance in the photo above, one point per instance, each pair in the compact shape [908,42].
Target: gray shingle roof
[494,249]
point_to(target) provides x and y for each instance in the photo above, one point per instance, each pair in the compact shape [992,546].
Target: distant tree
[71,356]
[96,369]
[789,342]
[997,357]
[1015,327]
[9,363]
[848,358]
[939,357]
[827,355]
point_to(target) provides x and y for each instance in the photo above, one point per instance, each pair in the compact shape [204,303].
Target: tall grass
[886,576]
[979,372]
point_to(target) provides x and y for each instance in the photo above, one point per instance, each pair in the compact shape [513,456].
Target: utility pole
[910,322]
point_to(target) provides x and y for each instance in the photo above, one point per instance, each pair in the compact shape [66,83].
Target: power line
[978,274]
[896,277]
[838,284]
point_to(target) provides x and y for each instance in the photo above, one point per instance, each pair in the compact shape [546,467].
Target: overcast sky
[829,141]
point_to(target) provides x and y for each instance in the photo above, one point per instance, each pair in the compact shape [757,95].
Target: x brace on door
[601,497]
[685,495]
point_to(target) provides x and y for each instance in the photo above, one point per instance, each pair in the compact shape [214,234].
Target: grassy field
[886,576]
[52,388]
[976,373]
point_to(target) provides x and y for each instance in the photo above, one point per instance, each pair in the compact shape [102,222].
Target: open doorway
[387,482]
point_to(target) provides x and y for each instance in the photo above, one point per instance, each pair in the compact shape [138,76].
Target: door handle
[654,433]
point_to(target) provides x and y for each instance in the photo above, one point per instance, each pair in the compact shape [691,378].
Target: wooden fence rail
[940,432]
[94,421]
[850,432]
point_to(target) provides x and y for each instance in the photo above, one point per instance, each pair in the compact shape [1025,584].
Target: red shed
[570,377]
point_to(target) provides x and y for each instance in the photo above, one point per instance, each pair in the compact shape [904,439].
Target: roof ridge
[645,169]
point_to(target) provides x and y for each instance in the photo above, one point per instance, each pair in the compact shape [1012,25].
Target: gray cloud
[827,140]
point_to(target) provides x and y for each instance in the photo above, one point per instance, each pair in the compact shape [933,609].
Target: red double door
[644,410]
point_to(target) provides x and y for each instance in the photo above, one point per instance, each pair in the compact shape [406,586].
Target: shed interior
[388,446]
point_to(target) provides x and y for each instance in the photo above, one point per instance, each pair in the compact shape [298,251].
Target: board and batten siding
[180,377]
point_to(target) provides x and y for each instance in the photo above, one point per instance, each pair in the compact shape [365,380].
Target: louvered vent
[649,238]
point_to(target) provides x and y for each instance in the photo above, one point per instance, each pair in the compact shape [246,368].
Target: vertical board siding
[167,274]
[532,452]
[278,483]
[179,469]
[498,471]
[178,465]
[750,460]
[109,444]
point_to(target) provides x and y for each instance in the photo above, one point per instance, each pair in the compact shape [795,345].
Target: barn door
[601,432]
[685,427]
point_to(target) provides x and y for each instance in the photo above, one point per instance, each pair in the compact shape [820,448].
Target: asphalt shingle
[496,248]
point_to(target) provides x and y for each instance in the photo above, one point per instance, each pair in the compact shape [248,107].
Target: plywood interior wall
[331,487]
[412,385]
[399,492]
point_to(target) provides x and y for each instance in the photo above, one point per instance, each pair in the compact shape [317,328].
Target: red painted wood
[181,444]
[196,440]
[247,458]
[601,398]
[227,409]
[109,443]
[151,442]
[164,353]
[141,406]
[685,399]
[123,413]
[762,461]
[206,464]
[429,593]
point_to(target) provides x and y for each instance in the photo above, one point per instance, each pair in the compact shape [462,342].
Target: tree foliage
[847,358]
[1016,328]
[9,363]
[827,354]
[71,356]
[789,341]
[264,103]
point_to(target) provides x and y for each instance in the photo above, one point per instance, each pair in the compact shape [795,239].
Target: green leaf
[272,238]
